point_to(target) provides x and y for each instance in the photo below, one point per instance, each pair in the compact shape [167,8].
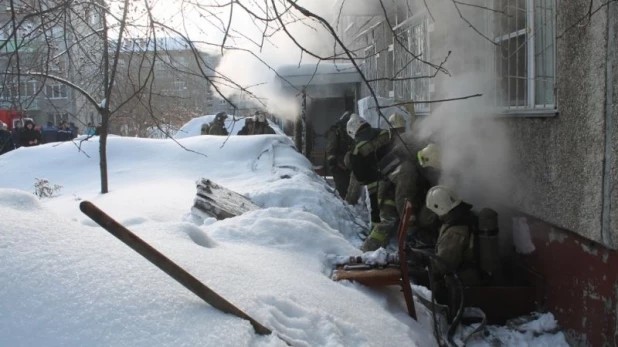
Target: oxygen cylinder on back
[488,242]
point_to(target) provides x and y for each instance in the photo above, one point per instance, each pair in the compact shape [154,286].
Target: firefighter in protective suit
[455,245]
[204,129]
[398,123]
[339,143]
[376,158]
[430,159]
[258,125]
[428,223]
[217,127]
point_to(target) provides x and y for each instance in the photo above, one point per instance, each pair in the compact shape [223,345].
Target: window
[222,102]
[56,91]
[409,70]
[28,89]
[179,85]
[525,61]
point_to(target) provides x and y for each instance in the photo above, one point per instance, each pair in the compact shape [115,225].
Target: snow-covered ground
[66,281]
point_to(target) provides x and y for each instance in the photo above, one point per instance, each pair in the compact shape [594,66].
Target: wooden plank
[371,278]
[213,200]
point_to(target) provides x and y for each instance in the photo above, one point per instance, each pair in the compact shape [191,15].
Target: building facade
[547,71]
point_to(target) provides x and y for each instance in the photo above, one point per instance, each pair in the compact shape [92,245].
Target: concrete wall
[560,171]
[613,54]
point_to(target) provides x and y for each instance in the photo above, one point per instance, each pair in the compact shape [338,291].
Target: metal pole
[168,266]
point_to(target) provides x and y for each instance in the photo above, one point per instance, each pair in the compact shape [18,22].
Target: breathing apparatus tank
[489,246]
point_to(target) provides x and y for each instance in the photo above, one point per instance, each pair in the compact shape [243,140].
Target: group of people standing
[256,125]
[27,134]
[394,169]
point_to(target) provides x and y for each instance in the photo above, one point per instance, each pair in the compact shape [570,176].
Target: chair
[388,276]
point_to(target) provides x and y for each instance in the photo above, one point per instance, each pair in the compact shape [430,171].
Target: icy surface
[67,282]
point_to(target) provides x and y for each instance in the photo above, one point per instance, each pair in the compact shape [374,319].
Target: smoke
[279,49]
[476,146]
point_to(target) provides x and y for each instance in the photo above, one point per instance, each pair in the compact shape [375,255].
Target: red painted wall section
[581,281]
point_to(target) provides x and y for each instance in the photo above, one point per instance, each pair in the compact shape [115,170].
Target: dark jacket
[217,128]
[6,141]
[253,127]
[29,137]
[16,133]
[338,144]
[49,134]
[65,135]
[371,146]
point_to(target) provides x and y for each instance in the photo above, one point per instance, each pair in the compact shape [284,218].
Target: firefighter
[428,223]
[455,245]
[204,129]
[337,146]
[430,159]
[258,125]
[375,158]
[398,123]
[217,126]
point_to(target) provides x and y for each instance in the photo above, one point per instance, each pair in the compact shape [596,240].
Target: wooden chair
[388,276]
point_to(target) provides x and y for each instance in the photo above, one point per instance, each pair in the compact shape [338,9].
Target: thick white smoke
[476,147]
[279,49]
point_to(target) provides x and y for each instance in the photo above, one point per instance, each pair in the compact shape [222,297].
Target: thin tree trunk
[103,150]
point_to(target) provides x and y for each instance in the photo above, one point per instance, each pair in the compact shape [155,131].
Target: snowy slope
[194,126]
[71,283]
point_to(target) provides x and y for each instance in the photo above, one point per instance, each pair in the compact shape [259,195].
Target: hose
[457,319]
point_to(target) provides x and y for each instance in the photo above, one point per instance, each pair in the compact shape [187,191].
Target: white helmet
[441,200]
[354,124]
[430,156]
[397,121]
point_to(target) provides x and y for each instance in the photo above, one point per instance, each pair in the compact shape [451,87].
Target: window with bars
[525,54]
[411,74]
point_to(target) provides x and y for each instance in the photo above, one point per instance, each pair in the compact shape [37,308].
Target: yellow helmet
[397,121]
[430,156]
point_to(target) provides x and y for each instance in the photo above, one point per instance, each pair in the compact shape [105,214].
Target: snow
[68,282]
[233,125]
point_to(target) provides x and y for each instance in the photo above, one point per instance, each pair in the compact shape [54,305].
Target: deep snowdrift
[68,282]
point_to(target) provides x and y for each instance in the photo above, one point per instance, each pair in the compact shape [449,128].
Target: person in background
[204,129]
[6,139]
[90,130]
[217,127]
[74,130]
[29,136]
[64,133]
[49,133]
[16,132]
[337,146]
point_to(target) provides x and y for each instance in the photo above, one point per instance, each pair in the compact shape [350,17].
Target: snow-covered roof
[319,74]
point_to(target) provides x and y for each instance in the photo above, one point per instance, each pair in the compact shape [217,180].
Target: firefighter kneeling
[467,246]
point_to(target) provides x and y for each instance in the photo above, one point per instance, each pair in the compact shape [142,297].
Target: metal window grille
[525,54]
[411,73]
